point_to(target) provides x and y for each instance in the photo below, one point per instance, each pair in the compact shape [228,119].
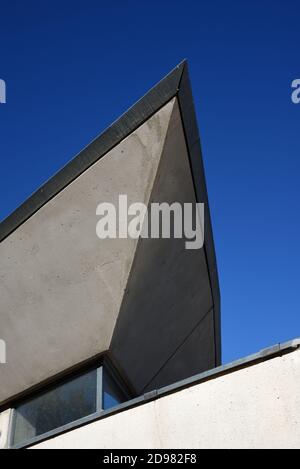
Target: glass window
[112,392]
[83,395]
[64,404]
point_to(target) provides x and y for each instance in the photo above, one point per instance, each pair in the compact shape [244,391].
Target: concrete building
[107,334]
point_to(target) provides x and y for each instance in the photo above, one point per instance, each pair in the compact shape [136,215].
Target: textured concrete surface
[66,296]
[62,287]
[168,292]
[254,407]
[199,345]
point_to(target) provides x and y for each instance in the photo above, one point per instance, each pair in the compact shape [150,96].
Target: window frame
[101,367]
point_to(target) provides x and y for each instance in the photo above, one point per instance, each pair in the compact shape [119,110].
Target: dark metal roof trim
[148,105]
[189,120]
[176,83]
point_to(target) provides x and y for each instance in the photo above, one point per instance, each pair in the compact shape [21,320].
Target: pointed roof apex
[148,105]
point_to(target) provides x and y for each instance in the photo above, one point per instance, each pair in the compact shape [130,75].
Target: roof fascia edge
[148,105]
[189,120]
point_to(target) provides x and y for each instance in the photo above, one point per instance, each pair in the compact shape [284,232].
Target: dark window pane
[66,403]
[112,393]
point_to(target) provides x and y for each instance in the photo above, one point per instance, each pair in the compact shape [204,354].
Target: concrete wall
[165,327]
[66,296]
[61,286]
[254,407]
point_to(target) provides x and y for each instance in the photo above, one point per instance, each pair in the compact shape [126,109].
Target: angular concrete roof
[66,297]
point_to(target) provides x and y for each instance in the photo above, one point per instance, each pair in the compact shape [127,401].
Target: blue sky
[73,67]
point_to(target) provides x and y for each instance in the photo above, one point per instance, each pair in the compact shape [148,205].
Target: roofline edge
[128,122]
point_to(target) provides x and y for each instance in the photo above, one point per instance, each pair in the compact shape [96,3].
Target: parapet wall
[255,406]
